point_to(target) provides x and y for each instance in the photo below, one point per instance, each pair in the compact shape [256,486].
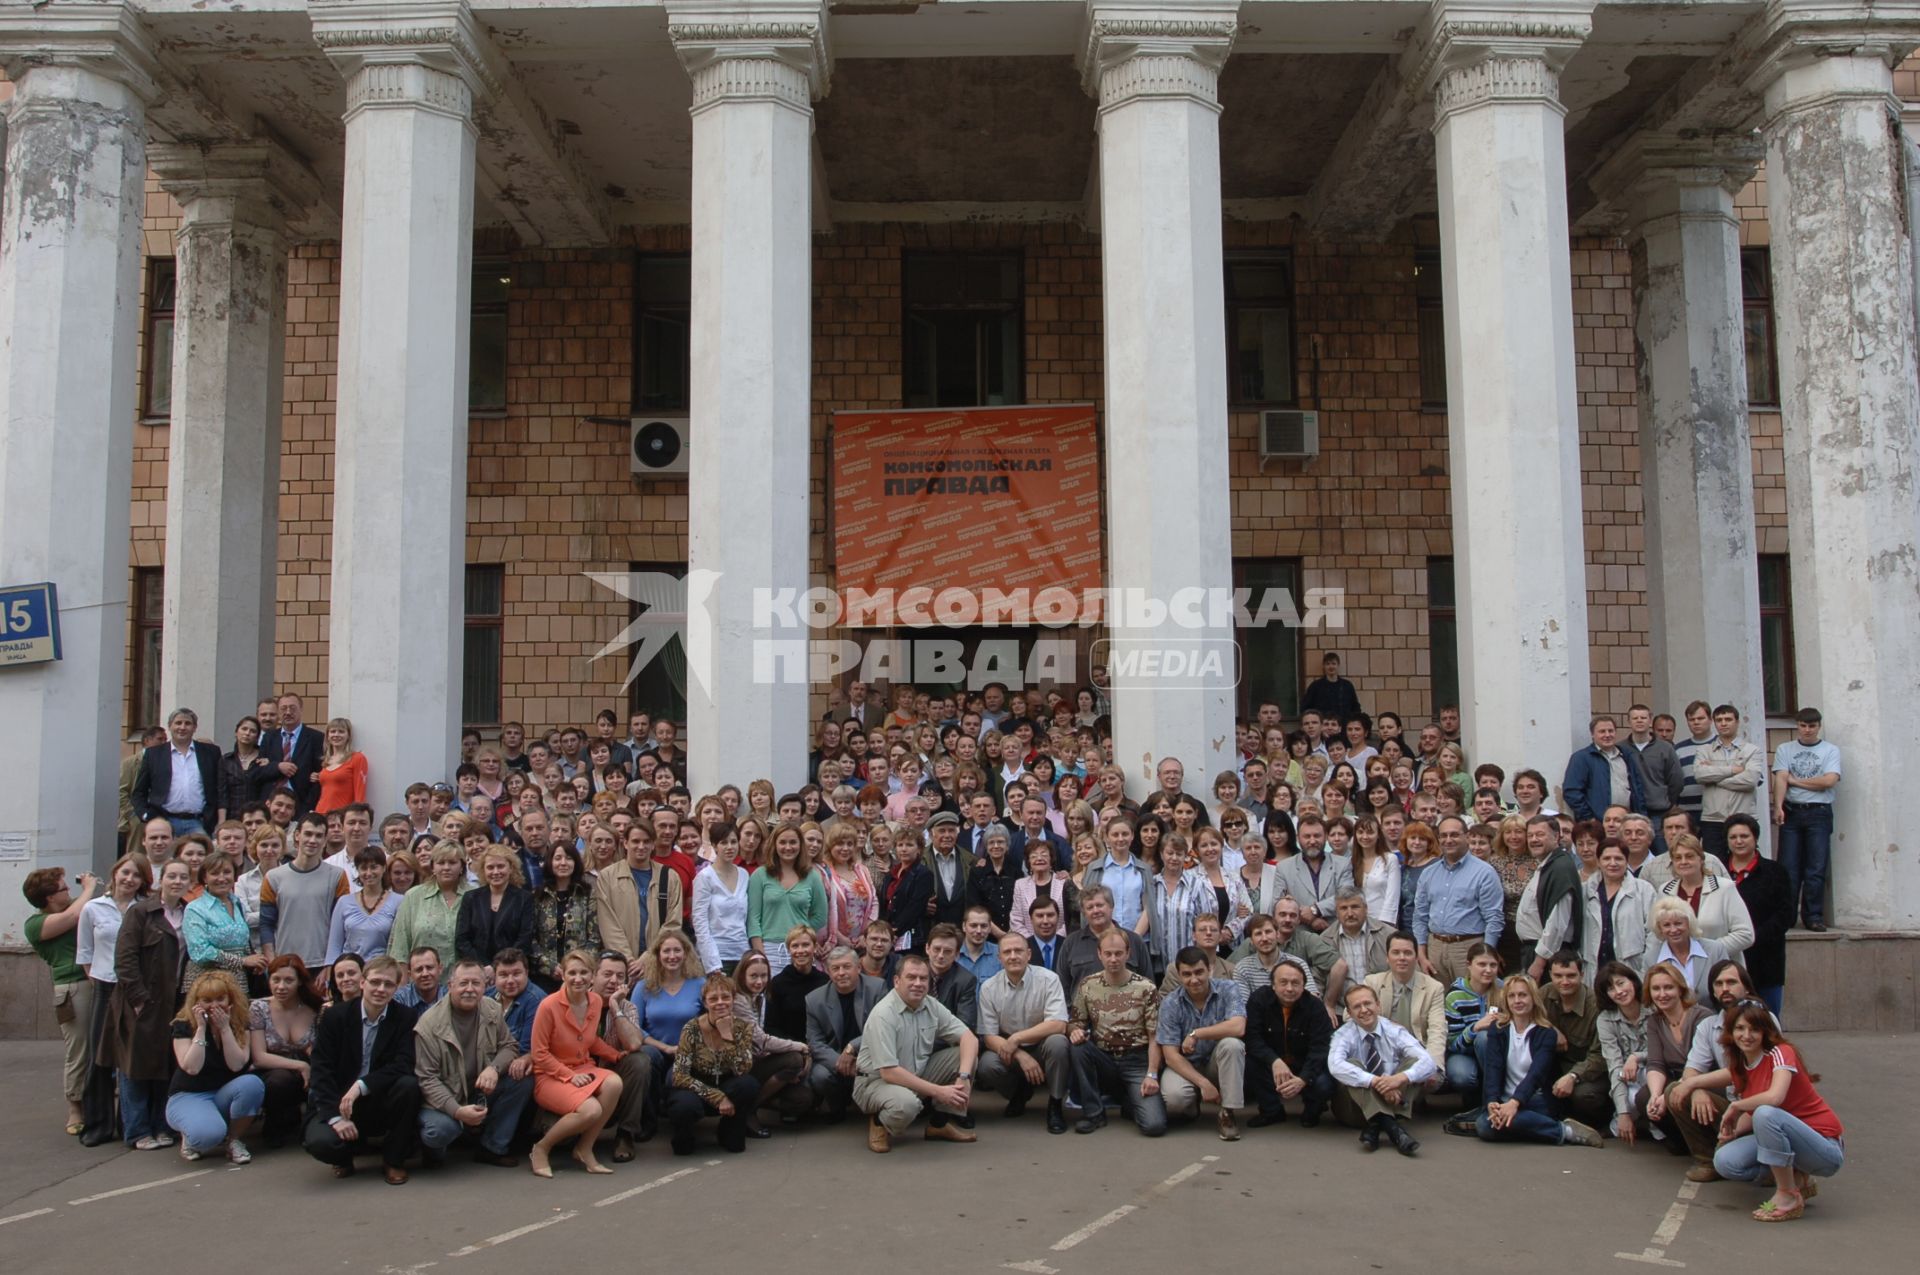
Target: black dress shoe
[1090,1123]
[622,1148]
[1016,1109]
[1310,1118]
[1056,1118]
[1403,1142]
[758,1131]
[1262,1119]
[497,1161]
[1817,927]
[1370,1138]
[965,1122]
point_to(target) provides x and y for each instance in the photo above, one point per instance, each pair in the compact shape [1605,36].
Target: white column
[69,317]
[223,458]
[1156,69]
[1844,311]
[400,429]
[1703,588]
[756,68]
[1513,428]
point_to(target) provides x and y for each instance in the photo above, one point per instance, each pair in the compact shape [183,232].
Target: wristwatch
[966,1076]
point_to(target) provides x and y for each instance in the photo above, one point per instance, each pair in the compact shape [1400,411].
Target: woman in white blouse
[1718,910]
[1376,870]
[720,900]
[94,939]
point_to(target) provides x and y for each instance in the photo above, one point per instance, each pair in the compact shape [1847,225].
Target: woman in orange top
[566,1040]
[342,777]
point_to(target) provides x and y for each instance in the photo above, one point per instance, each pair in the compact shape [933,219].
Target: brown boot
[1703,1171]
[878,1139]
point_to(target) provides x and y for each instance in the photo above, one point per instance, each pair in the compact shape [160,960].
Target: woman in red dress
[566,1041]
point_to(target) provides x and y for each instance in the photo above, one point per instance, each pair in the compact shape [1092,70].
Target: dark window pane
[1440,582]
[1443,634]
[1260,329]
[149,592]
[1775,662]
[491,283]
[147,679]
[1433,357]
[484,587]
[1756,286]
[152,593]
[660,688]
[662,334]
[1754,280]
[1266,279]
[963,333]
[480,685]
[487,364]
[1270,654]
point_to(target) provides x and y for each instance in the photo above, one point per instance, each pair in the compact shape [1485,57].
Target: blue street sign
[29,624]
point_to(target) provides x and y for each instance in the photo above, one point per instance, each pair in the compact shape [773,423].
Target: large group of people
[567,945]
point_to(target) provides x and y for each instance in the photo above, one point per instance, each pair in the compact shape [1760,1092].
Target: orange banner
[978,499]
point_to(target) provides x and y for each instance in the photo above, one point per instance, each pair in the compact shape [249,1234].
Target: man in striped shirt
[1700,728]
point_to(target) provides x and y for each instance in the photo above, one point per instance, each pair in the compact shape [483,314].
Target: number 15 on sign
[29,624]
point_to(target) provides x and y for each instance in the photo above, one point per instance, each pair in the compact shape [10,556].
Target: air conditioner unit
[659,445]
[1288,435]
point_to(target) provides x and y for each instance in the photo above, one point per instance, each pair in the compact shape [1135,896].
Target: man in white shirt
[1378,1063]
[1023,1033]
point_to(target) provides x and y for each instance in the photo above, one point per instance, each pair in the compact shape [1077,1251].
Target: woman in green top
[785,893]
[50,932]
[431,909]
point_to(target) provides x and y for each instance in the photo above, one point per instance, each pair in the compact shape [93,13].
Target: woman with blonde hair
[760,796]
[342,778]
[566,1046]
[1673,938]
[1670,1029]
[429,915]
[1518,1078]
[852,898]
[497,916]
[214,1096]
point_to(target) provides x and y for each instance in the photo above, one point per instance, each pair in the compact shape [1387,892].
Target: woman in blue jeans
[1779,1129]
[214,1096]
[1518,1057]
[1470,1015]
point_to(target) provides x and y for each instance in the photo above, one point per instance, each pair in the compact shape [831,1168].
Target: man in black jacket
[179,780]
[1331,695]
[363,1083]
[1288,1033]
[295,751]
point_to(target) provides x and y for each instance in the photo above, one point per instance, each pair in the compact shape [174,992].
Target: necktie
[847,1026]
[1046,955]
[1399,1000]
[1370,1063]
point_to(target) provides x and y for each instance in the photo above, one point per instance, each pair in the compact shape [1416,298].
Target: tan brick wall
[550,496]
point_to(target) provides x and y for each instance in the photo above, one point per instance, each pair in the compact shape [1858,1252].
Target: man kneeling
[1367,1057]
[914,1052]
[1200,1035]
[363,1083]
[461,1054]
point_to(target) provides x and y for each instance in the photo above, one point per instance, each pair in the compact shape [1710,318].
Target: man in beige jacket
[461,1051]
[619,889]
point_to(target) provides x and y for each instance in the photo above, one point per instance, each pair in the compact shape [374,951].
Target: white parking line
[144,1186]
[644,1187]
[493,1240]
[1655,1254]
[1087,1232]
[21,1217]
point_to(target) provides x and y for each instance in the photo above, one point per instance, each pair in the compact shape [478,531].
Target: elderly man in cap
[950,870]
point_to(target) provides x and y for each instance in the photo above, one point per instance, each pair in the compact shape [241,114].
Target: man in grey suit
[836,1016]
[1313,877]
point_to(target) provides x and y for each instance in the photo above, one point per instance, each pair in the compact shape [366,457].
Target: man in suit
[1313,877]
[953,983]
[1047,944]
[179,781]
[836,1017]
[980,820]
[949,868]
[129,771]
[363,1083]
[295,752]
[1414,1000]
[1034,828]
[858,710]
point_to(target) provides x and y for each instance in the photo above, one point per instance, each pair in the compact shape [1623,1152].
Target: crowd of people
[565,945]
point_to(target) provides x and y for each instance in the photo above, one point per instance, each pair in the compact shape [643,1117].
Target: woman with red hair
[1779,1128]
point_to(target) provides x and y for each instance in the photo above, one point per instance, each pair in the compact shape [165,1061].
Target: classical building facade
[322,323]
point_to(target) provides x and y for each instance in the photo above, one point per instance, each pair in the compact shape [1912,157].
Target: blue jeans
[1806,839]
[438,1130]
[202,1118]
[1531,1123]
[1778,1139]
[181,827]
[1098,1075]
[1463,1073]
[143,1107]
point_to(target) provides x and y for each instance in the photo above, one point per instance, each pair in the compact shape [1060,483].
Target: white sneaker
[188,1154]
[237,1152]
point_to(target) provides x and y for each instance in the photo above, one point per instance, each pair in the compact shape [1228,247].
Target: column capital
[419,53]
[1157,49]
[1652,176]
[1852,44]
[1475,53]
[260,183]
[752,50]
[105,39]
